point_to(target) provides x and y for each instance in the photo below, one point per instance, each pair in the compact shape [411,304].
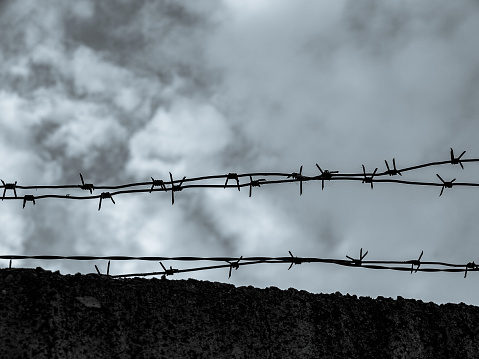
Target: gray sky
[121,91]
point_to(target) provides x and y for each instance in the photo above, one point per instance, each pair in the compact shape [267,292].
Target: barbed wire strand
[413,265]
[234,263]
[158,185]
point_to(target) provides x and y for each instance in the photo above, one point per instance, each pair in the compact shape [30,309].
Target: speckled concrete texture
[48,315]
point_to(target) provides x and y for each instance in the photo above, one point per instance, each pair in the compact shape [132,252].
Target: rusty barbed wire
[411,265]
[159,185]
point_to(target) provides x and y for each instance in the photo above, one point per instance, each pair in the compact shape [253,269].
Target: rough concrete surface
[49,315]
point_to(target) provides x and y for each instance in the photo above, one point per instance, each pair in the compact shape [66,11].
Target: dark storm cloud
[161,39]
[127,90]
[84,78]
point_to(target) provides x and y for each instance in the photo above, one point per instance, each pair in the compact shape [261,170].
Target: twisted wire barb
[158,185]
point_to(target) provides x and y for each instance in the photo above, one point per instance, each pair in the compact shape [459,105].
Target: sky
[122,91]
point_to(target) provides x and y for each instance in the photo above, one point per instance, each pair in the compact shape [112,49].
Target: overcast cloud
[127,90]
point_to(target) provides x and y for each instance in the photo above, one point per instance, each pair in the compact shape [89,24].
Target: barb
[445,184]
[394,171]
[294,260]
[11,186]
[234,265]
[28,198]
[358,262]
[157,183]
[471,266]
[232,176]
[175,188]
[105,195]
[254,183]
[325,175]
[107,270]
[369,179]
[417,262]
[457,160]
[170,271]
[86,186]
[299,177]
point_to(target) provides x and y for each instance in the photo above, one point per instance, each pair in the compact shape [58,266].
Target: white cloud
[252,225]
[86,135]
[12,231]
[98,78]
[184,138]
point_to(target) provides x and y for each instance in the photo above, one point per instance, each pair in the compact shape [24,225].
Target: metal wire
[158,185]
[411,265]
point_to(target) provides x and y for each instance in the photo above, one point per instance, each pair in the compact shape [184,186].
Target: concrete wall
[47,315]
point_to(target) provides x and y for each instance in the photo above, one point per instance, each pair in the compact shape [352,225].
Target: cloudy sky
[122,91]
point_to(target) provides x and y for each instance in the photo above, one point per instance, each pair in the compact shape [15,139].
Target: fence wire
[236,181]
[412,265]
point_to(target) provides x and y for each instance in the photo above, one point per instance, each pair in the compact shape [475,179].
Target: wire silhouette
[103,196]
[86,186]
[457,160]
[28,198]
[159,185]
[175,188]
[415,265]
[294,260]
[234,265]
[445,184]
[358,262]
[11,186]
[170,271]
[367,179]
[394,171]
[325,175]
[232,176]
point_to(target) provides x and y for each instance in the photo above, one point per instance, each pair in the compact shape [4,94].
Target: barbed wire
[255,180]
[158,185]
[412,265]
